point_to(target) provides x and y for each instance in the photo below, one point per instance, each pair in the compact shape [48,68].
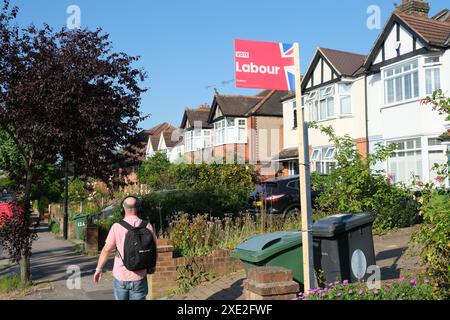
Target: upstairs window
[401,82]
[230,130]
[345,98]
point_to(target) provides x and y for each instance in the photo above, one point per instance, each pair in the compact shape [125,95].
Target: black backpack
[139,250]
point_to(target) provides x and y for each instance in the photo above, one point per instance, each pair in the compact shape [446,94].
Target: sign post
[305,179]
[276,66]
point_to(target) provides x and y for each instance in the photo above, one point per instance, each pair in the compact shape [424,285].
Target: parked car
[280,196]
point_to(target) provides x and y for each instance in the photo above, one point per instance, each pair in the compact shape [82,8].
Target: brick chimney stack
[415,7]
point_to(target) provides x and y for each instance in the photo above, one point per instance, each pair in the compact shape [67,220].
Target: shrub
[202,234]
[433,235]
[398,290]
[54,227]
[354,187]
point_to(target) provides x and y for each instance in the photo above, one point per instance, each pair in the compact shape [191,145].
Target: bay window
[329,102]
[197,139]
[230,130]
[323,160]
[406,162]
[401,82]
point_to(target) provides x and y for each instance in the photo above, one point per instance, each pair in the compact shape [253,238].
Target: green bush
[398,290]
[433,235]
[354,187]
[54,227]
[214,189]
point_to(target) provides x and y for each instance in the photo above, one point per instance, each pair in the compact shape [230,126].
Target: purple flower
[350,291]
[402,279]
[375,291]
[360,292]
[338,294]
[426,281]
[413,282]
[345,282]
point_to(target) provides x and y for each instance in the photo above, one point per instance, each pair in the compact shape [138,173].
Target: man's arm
[102,260]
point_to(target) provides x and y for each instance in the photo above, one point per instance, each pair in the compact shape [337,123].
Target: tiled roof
[265,103]
[346,63]
[200,114]
[432,31]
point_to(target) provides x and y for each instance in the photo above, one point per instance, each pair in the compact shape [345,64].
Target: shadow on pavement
[234,292]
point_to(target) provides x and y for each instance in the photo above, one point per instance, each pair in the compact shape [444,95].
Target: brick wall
[164,280]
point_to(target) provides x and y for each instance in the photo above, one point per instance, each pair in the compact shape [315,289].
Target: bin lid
[259,248]
[80,216]
[333,225]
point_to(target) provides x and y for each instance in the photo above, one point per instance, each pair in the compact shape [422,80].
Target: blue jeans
[130,290]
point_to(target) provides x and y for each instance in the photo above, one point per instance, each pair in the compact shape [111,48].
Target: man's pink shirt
[116,239]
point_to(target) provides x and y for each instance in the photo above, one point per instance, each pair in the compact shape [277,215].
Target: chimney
[415,8]
[204,106]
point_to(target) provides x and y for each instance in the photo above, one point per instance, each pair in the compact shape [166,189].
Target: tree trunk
[25,274]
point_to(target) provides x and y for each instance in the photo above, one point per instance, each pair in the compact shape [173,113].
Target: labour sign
[264,65]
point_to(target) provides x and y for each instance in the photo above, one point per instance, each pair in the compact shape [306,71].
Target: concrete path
[51,263]
[389,253]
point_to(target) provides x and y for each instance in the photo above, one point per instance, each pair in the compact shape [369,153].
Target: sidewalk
[50,260]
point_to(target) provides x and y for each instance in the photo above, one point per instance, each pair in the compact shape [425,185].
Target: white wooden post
[305,180]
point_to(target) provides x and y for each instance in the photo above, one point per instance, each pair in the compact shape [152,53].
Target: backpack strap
[126,225]
[143,224]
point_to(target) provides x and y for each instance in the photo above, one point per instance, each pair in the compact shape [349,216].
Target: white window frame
[225,133]
[321,163]
[413,72]
[328,97]
[401,153]
[347,95]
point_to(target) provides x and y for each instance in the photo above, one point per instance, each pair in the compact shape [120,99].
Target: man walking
[127,285]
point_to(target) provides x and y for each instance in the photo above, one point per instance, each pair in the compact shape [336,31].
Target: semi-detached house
[409,61]
[376,99]
[333,95]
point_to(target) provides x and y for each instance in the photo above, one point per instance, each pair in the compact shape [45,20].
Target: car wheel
[291,213]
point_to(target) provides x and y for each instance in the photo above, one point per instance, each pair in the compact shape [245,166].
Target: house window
[207,138]
[230,130]
[401,82]
[345,98]
[188,139]
[326,103]
[323,160]
[406,162]
[293,168]
[432,80]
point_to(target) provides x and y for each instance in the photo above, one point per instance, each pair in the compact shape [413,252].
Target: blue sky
[186,46]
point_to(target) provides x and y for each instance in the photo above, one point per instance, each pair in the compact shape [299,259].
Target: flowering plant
[401,289]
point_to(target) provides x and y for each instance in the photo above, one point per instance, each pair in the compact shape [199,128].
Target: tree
[65,97]
[156,172]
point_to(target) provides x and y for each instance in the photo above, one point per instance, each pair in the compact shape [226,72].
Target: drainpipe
[366,113]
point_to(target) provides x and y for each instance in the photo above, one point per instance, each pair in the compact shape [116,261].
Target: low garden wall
[168,268]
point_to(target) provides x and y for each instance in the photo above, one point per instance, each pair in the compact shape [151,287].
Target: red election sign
[264,65]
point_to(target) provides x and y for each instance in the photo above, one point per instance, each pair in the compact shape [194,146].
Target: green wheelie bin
[279,249]
[80,225]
